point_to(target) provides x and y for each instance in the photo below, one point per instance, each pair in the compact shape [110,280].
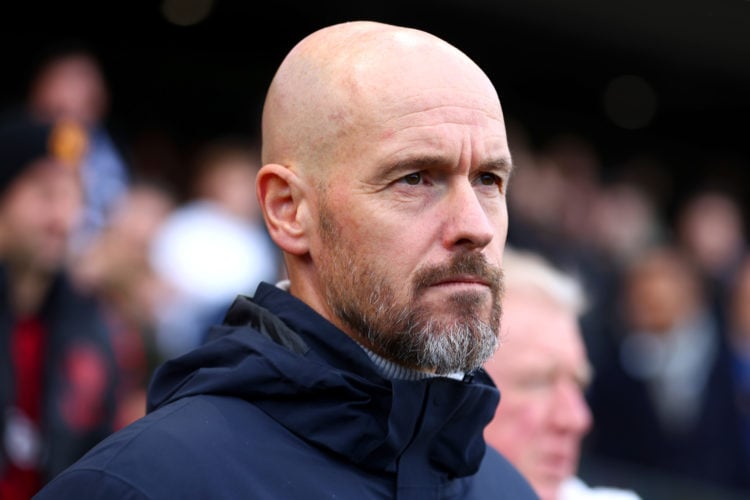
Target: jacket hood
[278,354]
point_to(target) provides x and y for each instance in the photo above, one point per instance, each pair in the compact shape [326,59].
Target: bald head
[343,83]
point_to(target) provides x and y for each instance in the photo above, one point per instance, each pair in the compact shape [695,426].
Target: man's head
[40,192]
[224,173]
[385,171]
[541,370]
[662,290]
[69,84]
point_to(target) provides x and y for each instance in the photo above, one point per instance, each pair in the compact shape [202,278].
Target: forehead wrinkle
[433,100]
[485,126]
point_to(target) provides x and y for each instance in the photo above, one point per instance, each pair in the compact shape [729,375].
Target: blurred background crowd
[631,175]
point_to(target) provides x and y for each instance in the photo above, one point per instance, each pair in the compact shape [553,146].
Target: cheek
[396,245]
[393,242]
[516,426]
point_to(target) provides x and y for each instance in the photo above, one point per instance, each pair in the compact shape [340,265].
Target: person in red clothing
[56,364]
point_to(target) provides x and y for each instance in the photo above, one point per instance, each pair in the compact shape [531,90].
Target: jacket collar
[277,353]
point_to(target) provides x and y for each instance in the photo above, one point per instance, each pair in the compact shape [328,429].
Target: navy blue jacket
[280,404]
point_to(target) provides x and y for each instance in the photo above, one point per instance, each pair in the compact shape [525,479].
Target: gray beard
[410,335]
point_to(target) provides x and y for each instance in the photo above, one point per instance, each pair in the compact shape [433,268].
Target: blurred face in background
[541,370]
[710,229]
[229,180]
[38,211]
[70,87]
[660,292]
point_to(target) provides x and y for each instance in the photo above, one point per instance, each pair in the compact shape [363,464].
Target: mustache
[463,264]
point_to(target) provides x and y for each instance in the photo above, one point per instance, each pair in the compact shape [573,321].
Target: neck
[394,371]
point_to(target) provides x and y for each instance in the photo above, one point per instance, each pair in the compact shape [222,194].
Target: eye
[489,179]
[413,179]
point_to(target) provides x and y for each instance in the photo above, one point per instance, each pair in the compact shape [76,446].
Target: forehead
[439,106]
[428,95]
[538,332]
[428,98]
[458,128]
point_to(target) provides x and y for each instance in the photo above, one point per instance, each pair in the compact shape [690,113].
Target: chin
[548,491]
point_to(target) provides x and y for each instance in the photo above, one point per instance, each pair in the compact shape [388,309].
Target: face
[231,184]
[711,229]
[38,213]
[540,369]
[72,87]
[659,293]
[412,220]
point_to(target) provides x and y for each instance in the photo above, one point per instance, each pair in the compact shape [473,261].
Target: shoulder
[182,449]
[499,479]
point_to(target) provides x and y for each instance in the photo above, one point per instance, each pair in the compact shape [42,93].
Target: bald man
[385,167]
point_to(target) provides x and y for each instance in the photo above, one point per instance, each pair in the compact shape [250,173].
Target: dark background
[551,61]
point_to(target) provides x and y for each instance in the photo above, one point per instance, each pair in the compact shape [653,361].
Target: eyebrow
[502,164]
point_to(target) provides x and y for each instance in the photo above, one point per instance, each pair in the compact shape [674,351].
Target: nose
[571,413]
[467,221]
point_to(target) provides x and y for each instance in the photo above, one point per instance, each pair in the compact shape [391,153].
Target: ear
[284,207]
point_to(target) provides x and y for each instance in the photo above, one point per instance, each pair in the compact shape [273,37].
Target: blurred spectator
[537,217]
[578,165]
[115,266]
[541,370]
[624,223]
[212,247]
[665,400]
[550,206]
[57,370]
[711,230]
[69,83]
